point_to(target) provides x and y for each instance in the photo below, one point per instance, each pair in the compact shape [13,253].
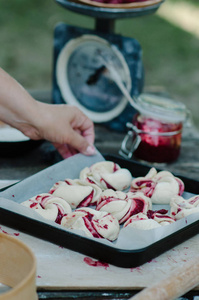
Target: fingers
[82,135]
[67,127]
[89,134]
[81,143]
[65,150]
[82,124]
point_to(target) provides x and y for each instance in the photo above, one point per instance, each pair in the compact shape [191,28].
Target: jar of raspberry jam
[156,130]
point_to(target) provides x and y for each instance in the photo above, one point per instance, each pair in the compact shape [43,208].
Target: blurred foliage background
[170,52]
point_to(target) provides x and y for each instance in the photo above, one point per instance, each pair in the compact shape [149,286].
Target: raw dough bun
[181,208]
[77,193]
[123,205]
[48,206]
[107,175]
[93,223]
[159,186]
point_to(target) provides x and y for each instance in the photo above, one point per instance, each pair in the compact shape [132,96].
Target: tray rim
[119,257]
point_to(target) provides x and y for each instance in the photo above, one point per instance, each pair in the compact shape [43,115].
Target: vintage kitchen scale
[80,73]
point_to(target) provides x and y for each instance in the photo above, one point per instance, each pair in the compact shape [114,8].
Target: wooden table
[108,142]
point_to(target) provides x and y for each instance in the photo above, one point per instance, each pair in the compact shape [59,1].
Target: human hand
[65,126]
[76,142]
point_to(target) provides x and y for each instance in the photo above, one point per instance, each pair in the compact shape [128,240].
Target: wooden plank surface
[106,141]
[62,269]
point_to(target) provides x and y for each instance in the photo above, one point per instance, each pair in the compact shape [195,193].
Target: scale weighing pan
[14,215]
[127,5]
[109,11]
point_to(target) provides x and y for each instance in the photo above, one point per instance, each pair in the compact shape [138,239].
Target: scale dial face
[85,81]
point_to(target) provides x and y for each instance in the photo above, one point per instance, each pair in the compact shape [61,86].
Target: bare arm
[62,125]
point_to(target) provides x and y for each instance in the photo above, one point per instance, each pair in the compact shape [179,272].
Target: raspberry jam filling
[66,181]
[89,225]
[87,200]
[59,215]
[154,145]
[107,184]
[181,187]
[147,187]
[161,213]
[147,183]
[53,189]
[43,200]
[90,181]
[136,207]
[115,168]
[193,201]
[33,204]
[105,202]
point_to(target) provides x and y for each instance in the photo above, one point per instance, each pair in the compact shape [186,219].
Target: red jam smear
[95,263]
[157,148]
[33,204]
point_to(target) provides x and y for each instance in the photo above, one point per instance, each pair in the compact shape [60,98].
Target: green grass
[193,2]
[170,55]
[27,38]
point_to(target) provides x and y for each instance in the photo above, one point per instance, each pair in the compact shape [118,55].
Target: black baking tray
[105,253]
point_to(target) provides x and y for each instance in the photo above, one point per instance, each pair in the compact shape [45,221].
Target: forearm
[17,107]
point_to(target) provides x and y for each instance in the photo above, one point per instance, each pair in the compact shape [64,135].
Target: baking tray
[92,247]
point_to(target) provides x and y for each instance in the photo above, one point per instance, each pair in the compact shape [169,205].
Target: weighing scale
[81,56]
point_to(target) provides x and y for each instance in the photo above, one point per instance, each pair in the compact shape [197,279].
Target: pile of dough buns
[106,198]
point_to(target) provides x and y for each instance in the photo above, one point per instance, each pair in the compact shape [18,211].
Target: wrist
[25,118]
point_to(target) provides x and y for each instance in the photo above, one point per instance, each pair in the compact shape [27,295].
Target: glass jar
[155,133]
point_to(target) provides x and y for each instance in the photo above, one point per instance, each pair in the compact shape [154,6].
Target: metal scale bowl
[105,16]
[80,76]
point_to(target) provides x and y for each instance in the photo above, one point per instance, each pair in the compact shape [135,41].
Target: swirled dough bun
[142,222]
[159,186]
[123,205]
[93,223]
[107,175]
[153,219]
[161,216]
[50,207]
[77,193]
[181,208]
